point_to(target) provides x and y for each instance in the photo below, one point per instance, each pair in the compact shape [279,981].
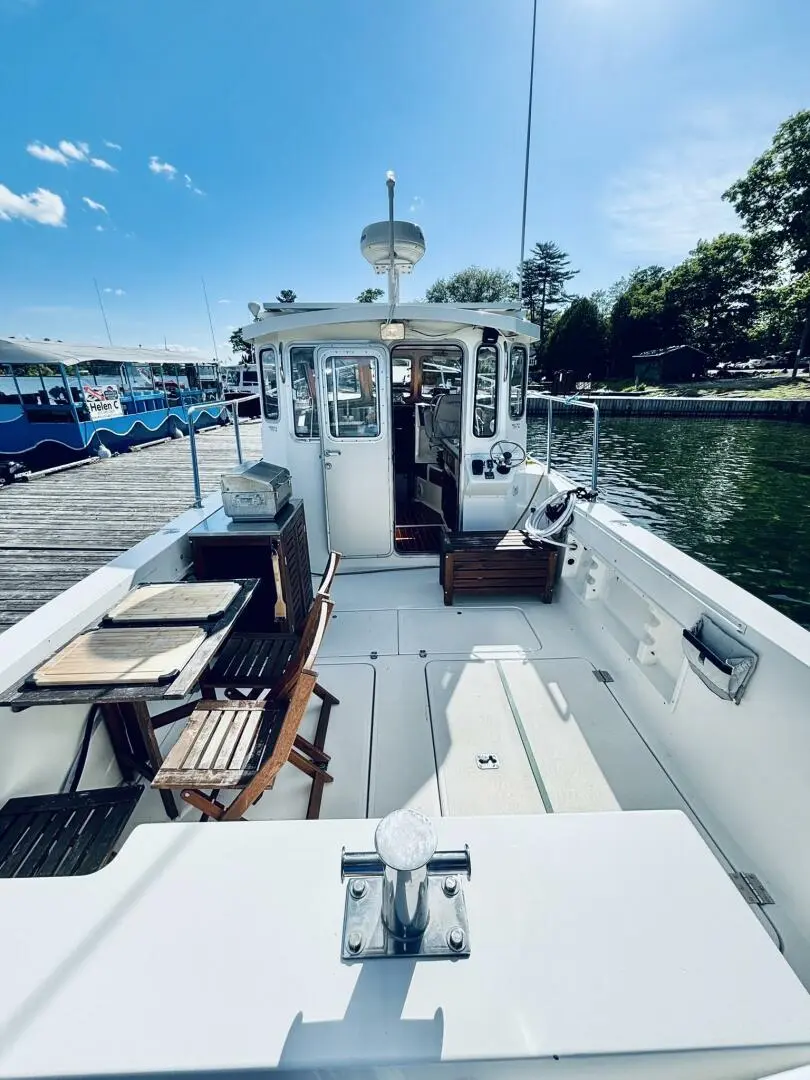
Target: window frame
[476,376]
[354,358]
[264,356]
[313,434]
[524,382]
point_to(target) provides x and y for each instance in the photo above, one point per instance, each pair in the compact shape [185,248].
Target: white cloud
[223,301]
[159,167]
[114,292]
[93,205]
[73,151]
[42,206]
[112,145]
[190,185]
[672,197]
[46,153]
[99,228]
[68,152]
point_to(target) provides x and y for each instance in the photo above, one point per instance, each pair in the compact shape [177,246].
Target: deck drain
[487,761]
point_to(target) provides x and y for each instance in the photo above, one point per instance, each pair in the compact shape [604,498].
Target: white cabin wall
[742,766]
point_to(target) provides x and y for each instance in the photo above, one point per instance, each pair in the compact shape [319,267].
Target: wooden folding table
[124,664]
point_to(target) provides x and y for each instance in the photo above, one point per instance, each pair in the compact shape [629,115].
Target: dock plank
[58,528]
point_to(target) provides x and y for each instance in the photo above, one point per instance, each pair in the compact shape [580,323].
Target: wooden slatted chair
[259,661]
[74,832]
[242,745]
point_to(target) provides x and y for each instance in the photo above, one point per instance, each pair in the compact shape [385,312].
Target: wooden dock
[57,528]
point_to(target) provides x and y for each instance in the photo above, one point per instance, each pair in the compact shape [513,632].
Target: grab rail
[551,398]
[233,406]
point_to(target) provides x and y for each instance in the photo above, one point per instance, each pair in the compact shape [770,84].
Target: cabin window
[140,376]
[351,397]
[518,373]
[304,392]
[269,370]
[421,373]
[485,406]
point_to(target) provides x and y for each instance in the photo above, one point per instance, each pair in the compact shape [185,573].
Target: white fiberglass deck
[476,709]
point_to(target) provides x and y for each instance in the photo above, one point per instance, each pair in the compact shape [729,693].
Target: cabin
[388,428]
[678,363]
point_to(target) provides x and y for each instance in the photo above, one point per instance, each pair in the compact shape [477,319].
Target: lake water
[733,494]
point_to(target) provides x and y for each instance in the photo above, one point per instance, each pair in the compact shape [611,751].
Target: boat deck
[59,527]
[481,708]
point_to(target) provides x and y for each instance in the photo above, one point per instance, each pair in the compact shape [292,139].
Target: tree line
[735,296]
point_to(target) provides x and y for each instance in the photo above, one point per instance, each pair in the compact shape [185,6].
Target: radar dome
[409,245]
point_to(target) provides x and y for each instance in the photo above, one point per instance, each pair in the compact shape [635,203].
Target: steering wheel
[507,455]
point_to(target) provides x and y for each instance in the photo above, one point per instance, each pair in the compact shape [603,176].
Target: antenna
[393,276]
[526,168]
[103,312]
[210,320]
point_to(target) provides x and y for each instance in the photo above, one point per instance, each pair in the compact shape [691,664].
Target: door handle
[330,453]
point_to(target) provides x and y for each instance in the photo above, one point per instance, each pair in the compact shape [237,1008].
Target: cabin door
[353,396]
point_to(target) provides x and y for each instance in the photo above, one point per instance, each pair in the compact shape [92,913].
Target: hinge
[602,676]
[751,889]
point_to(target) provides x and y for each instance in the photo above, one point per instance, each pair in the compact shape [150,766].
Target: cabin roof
[16,351]
[507,318]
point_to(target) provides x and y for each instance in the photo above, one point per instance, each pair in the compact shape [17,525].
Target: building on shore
[675,364]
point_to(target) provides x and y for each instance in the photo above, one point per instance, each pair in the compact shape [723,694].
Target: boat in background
[61,402]
[242,380]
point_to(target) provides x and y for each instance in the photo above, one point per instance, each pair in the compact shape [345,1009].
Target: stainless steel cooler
[256,491]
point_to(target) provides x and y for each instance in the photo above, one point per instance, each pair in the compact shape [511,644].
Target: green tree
[578,341]
[475,285]
[773,200]
[545,275]
[286,296]
[370,296]
[718,289]
[240,346]
[781,317]
[644,317]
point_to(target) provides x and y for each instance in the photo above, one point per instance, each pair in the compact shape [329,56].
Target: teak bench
[496,562]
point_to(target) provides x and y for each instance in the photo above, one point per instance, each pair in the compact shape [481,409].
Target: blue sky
[149,143]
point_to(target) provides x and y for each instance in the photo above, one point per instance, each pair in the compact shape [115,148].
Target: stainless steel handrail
[233,406]
[550,399]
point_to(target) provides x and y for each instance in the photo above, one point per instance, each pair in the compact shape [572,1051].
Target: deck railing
[233,407]
[550,399]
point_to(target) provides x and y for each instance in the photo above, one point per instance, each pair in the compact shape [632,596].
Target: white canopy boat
[602,869]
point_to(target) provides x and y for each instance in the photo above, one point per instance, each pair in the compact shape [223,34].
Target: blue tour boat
[61,402]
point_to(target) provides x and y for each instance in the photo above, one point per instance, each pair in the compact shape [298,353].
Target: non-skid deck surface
[183,601]
[57,529]
[481,632]
[561,742]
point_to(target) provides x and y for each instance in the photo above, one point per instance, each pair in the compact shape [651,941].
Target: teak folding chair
[242,745]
